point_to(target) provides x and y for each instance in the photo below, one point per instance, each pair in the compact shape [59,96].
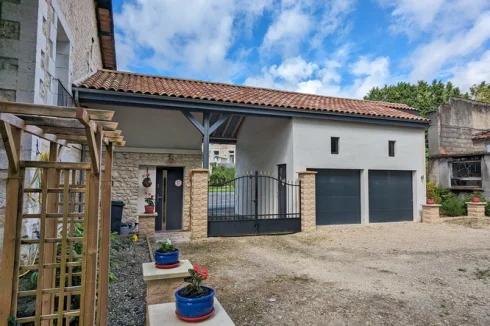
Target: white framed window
[231,156]
[216,156]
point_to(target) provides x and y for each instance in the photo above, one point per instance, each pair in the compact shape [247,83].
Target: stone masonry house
[459,146]
[46,46]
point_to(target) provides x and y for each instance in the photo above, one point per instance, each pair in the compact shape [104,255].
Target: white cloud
[305,22]
[473,72]
[285,34]
[429,58]
[297,74]
[194,36]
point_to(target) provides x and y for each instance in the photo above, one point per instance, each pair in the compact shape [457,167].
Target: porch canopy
[224,106]
[67,199]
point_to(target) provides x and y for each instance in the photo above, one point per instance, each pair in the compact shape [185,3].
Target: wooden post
[51,230]
[105,234]
[89,271]
[12,232]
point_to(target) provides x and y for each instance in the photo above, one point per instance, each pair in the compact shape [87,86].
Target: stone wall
[453,125]
[127,179]
[86,55]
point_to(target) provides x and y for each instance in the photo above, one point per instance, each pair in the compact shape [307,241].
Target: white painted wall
[364,147]
[265,143]
[155,128]
[305,143]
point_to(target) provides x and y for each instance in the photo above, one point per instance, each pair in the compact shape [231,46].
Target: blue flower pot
[166,258]
[194,307]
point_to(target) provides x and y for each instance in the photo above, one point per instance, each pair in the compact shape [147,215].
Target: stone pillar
[430,213]
[199,203]
[161,284]
[308,200]
[146,224]
[476,209]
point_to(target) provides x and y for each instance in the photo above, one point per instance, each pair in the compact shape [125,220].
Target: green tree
[423,96]
[481,92]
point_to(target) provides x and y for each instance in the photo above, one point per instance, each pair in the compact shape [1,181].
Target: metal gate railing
[254,204]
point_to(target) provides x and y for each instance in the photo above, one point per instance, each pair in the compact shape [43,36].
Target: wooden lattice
[71,287]
[62,215]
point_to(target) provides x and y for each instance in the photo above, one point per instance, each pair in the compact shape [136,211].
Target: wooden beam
[218,123]
[92,131]
[194,121]
[52,111]
[76,132]
[9,144]
[12,234]
[50,231]
[233,135]
[64,123]
[33,130]
[105,234]
[226,126]
[56,165]
[89,286]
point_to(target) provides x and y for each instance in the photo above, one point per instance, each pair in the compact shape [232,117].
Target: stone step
[164,314]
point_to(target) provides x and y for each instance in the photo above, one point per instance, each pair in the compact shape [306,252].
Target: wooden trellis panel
[70,216]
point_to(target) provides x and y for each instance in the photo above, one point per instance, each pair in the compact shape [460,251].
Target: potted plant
[150,204]
[146,180]
[476,196]
[432,194]
[167,254]
[195,302]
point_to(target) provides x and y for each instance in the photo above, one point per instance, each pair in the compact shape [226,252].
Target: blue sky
[330,47]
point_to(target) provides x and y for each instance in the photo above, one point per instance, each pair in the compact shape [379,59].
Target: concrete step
[164,314]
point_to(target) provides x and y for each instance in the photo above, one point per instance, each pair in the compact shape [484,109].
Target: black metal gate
[254,204]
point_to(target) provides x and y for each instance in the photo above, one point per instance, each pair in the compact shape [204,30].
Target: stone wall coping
[164,314]
[476,204]
[151,273]
[199,170]
[431,205]
[148,215]
[307,172]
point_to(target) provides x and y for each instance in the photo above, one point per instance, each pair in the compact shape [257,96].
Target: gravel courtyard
[394,274]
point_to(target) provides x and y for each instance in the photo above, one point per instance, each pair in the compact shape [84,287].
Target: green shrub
[433,192]
[451,206]
[487,209]
[221,175]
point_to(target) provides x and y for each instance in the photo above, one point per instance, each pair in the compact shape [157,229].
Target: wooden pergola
[60,207]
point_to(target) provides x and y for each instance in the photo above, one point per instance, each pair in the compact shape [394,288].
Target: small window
[391,148]
[216,156]
[232,156]
[334,145]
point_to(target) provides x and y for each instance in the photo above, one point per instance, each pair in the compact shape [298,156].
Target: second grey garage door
[390,196]
[338,196]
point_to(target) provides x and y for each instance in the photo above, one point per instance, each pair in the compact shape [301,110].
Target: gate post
[308,200]
[199,203]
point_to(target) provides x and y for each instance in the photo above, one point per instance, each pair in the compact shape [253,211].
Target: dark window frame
[334,145]
[391,148]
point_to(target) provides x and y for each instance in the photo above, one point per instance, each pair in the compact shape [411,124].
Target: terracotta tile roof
[483,135]
[211,91]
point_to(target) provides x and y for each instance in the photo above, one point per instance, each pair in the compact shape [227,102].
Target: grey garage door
[390,196]
[338,196]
